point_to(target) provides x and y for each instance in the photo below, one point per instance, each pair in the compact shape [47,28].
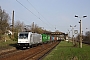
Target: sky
[50,14]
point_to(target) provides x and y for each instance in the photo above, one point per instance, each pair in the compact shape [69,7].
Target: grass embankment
[66,51]
[8,44]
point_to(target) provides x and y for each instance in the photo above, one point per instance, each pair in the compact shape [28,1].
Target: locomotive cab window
[23,36]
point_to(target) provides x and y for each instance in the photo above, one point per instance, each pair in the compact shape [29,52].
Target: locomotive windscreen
[23,36]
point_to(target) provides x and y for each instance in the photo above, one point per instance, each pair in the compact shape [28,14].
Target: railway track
[40,54]
[9,53]
[47,51]
[29,54]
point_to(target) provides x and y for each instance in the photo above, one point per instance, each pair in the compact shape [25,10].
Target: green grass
[66,51]
[8,44]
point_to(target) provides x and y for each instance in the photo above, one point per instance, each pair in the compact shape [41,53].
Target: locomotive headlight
[26,44]
[18,44]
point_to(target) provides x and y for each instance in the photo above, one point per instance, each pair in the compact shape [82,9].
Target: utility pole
[68,35]
[80,29]
[80,34]
[72,34]
[1,15]
[33,28]
[13,24]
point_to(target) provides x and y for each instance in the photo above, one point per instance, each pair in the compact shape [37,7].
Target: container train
[27,39]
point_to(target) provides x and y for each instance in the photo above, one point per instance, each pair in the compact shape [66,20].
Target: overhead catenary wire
[27,8]
[31,12]
[32,6]
[38,11]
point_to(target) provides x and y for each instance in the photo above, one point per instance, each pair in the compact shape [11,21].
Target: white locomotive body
[26,39]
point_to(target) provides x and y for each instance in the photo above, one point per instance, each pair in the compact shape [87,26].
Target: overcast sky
[50,14]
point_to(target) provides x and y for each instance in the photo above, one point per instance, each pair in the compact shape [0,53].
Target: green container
[44,38]
[48,37]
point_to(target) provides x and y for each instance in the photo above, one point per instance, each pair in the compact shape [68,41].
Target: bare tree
[4,18]
[4,21]
[87,36]
[37,29]
[19,26]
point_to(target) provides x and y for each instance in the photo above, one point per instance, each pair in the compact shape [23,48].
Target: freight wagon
[45,38]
